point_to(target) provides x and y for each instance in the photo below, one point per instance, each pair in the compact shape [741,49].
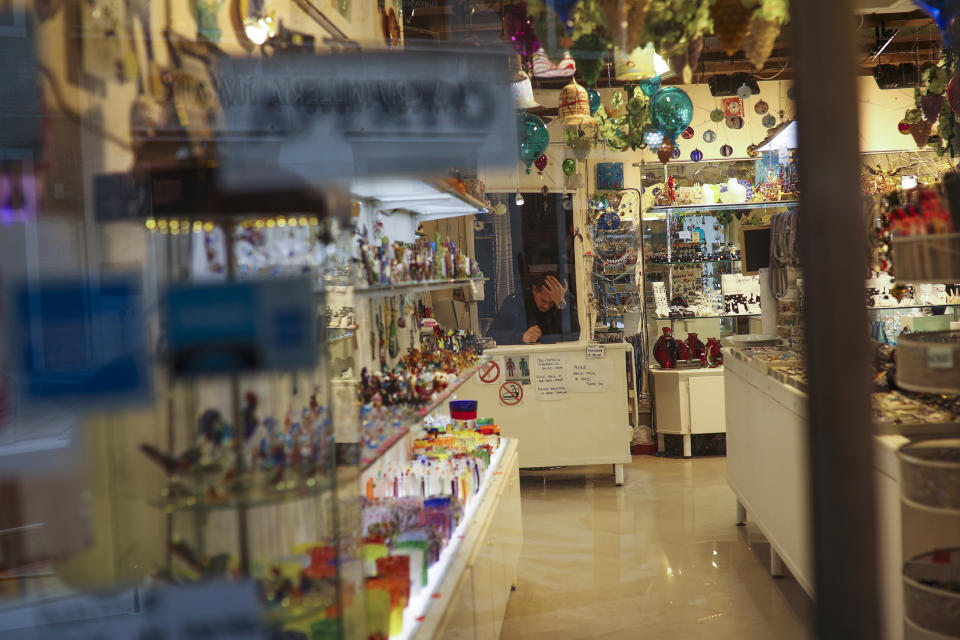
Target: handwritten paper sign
[550,377]
[595,376]
[595,351]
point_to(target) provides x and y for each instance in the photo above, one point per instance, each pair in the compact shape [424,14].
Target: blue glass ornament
[744,92]
[671,111]
[609,221]
[563,9]
[768,121]
[696,155]
[650,86]
[594,96]
[726,151]
[709,136]
[943,12]
[652,136]
[676,153]
[533,136]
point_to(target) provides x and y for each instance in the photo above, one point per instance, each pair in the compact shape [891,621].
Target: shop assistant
[538,314]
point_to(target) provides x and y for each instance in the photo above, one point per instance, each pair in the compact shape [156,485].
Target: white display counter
[688,402]
[467,596]
[566,408]
[767,469]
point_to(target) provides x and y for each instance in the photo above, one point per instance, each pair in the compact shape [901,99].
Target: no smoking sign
[511,393]
[490,372]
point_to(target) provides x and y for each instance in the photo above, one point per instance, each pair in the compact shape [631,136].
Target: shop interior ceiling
[905,36]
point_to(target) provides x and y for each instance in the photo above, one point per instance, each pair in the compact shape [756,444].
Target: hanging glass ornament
[687,133]
[696,155]
[650,86]
[744,92]
[569,167]
[676,153]
[709,136]
[734,122]
[769,121]
[726,151]
[540,163]
[652,136]
[942,12]
[594,96]
[671,111]
[791,93]
[534,138]
[666,150]
[761,107]
[717,115]
[903,127]
[953,94]
[752,151]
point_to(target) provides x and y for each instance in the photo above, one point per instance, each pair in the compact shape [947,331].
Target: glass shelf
[685,208]
[684,264]
[294,487]
[416,416]
[262,495]
[914,306]
[612,236]
[386,290]
[726,315]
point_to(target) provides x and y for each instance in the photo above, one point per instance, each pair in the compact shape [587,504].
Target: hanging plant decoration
[589,52]
[636,22]
[730,23]
[671,25]
[936,83]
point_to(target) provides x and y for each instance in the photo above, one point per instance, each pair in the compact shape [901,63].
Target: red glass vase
[666,351]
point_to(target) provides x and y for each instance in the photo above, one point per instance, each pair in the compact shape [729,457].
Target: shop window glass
[528,254]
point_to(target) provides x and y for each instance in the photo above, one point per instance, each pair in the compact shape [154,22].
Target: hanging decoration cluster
[936,102]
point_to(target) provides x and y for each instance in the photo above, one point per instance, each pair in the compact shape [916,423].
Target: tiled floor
[660,557]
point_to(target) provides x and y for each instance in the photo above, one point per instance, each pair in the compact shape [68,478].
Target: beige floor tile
[660,557]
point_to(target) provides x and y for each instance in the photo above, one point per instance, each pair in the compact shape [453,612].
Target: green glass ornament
[569,167]
[717,115]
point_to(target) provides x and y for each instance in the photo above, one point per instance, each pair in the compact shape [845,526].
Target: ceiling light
[259,30]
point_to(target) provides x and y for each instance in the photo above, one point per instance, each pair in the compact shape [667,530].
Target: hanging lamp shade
[523,93]
[516,69]
[574,106]
[639,64]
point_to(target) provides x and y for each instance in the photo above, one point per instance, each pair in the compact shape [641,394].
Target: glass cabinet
[694,281]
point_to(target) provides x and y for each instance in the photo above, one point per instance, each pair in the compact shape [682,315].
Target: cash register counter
[567,403]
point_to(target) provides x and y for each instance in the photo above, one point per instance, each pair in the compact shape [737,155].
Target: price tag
[685,235]
[595,351]
[940,357]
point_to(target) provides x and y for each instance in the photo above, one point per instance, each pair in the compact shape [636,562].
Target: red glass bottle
[695,345]
[666,351]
